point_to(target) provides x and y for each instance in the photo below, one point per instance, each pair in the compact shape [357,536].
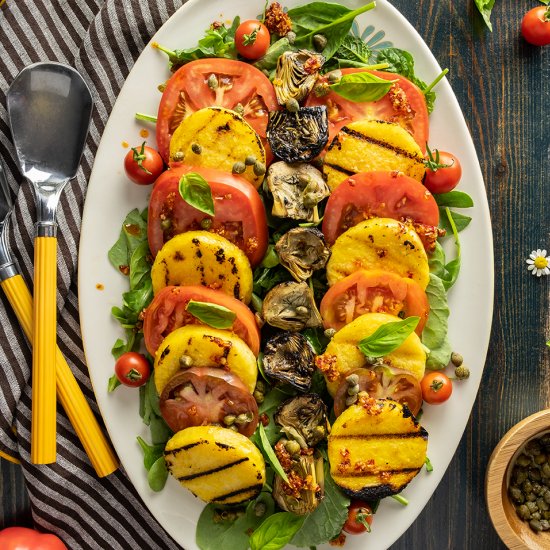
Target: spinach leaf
[271,258]
[316,339]
[460,220]
[151,453]
[160,432]
[388,337]
[276,531]
[485,7]
[211,314]
[266,278]
[269,453]
[331,20]
[268,407]
[455,199]
[269,61]
[139,265]
[353,52]
[158,474]
[359,87]
[195,191]
[132,234]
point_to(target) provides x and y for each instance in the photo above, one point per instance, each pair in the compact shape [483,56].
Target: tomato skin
[167,312]
[132,369]
[445,179]
[239,212]
[436,388]
[358,510]
[150,161]
[259,45]
[535,26]
[23,538]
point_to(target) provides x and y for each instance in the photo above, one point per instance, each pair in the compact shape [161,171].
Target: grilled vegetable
[368,145]
[375,448]
[296,190]
[302,251]
[342,354]
[200,346]
[304,419]
[203,258]
[289,358]
[216,464]
[291,306]
[298,136]
[218,138]
[379,243]
[296,75]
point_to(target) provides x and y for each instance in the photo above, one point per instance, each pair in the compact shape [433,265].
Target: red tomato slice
[404,104]
[239,212]
[375,291]
[187,91]
[167,312]
[380,194]
[201,396]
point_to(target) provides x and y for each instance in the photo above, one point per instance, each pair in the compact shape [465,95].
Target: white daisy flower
[539,263]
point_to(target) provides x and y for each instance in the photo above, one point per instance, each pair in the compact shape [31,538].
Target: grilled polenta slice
[217,138]
[379,243]
[343,355]
[206,347]
[216,464]
[375,448]
[368,145]
[203,258]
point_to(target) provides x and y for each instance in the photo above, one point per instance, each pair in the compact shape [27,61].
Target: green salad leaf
[276,531]
[456,199]
[461,221]
[269,453]
[195,191]
[268,62]
[211,314]
[364,86]
[388,337]
[485,7]
[353,52]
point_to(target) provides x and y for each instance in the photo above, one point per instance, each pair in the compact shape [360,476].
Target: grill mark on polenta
[252,488]
[380,143]
[377,474]
[340,169]
[184,448]
[382,436]
[214,470]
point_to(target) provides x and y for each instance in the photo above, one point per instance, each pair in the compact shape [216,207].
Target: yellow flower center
[540,262]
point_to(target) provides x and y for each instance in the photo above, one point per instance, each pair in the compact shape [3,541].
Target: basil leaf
[331,20]
[276,531]
[485,7]
[461,222]
[132,234]
[364,86]
[270,454]
[195,191]
[455,199]
[211,314]
[388,337]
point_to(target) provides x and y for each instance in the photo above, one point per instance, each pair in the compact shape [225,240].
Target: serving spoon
[49,108]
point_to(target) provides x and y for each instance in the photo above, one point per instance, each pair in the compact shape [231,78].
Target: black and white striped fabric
[101,39]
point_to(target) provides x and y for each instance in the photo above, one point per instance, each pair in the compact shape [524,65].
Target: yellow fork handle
[70,395]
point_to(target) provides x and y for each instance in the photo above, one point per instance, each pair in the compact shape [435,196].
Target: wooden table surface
[503,87]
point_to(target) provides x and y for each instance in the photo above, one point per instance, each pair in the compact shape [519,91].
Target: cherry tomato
[360,518]
[436,388]
[535,26]
[404,104]
[167,312]
[443,171]
[23,538]
[200,396]
[132,369]
[143,165]
[252,39]
[373,291]
[239,212]
[238,83]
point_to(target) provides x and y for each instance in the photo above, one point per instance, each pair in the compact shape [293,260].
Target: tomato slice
[404,104]
[375,291]
[200,396]
[239,212]
[384,195]
[167,312]
[187,91]
[383,382]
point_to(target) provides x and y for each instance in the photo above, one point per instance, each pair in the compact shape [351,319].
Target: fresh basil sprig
[363,86]
[276,531]
[271,456]
[211,314]
[194,190]
[388,337]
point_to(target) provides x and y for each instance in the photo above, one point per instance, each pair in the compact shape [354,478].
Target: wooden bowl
[514,532]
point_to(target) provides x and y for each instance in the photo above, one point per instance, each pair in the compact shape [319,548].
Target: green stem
[143,116]
[441,75]
[377,66]
[169,53]
[402,500]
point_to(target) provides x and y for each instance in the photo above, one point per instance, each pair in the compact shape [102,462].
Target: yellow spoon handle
[70,395]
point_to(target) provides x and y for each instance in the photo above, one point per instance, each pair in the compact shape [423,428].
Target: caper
[234,427]
[243,418]
[330,332]
[352,379]
[161,87]
[523,460]
[523,512]
[185,361]
[166,224]
[292,105]
[545,524]
[238,168]
[229,420]
[533,447]
[462,373]
[250,160]
[206,223]
[532,505]
[262,385]
[540,458]
[259,168]
[334,76]
[353,390]
[291,37]
[534,474]
[520,475]
[292,447]
[196,148]
[516,494]
[546,497]
[319,42]
[456,359]
[239,109]
[320,430]
[545,440]
[535,524]
[536,515]
[546,514]
[531,497]
[213,82]
[546,469]
[178,156]
[536,488]
[258,396]
[542,505]
[350,400]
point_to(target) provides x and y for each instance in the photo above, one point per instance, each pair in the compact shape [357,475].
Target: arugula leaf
[460,220]
[388,337]
[211,314]
[195,191]
[485,7]
[276,531]
[265,446]
[456,199]
[331,20]
[364,86]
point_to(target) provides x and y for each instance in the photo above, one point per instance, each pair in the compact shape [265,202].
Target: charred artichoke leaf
[296,74]
[291,306]
[304,419]
[289,358]
[296,189]
[302,251]
[298,136]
